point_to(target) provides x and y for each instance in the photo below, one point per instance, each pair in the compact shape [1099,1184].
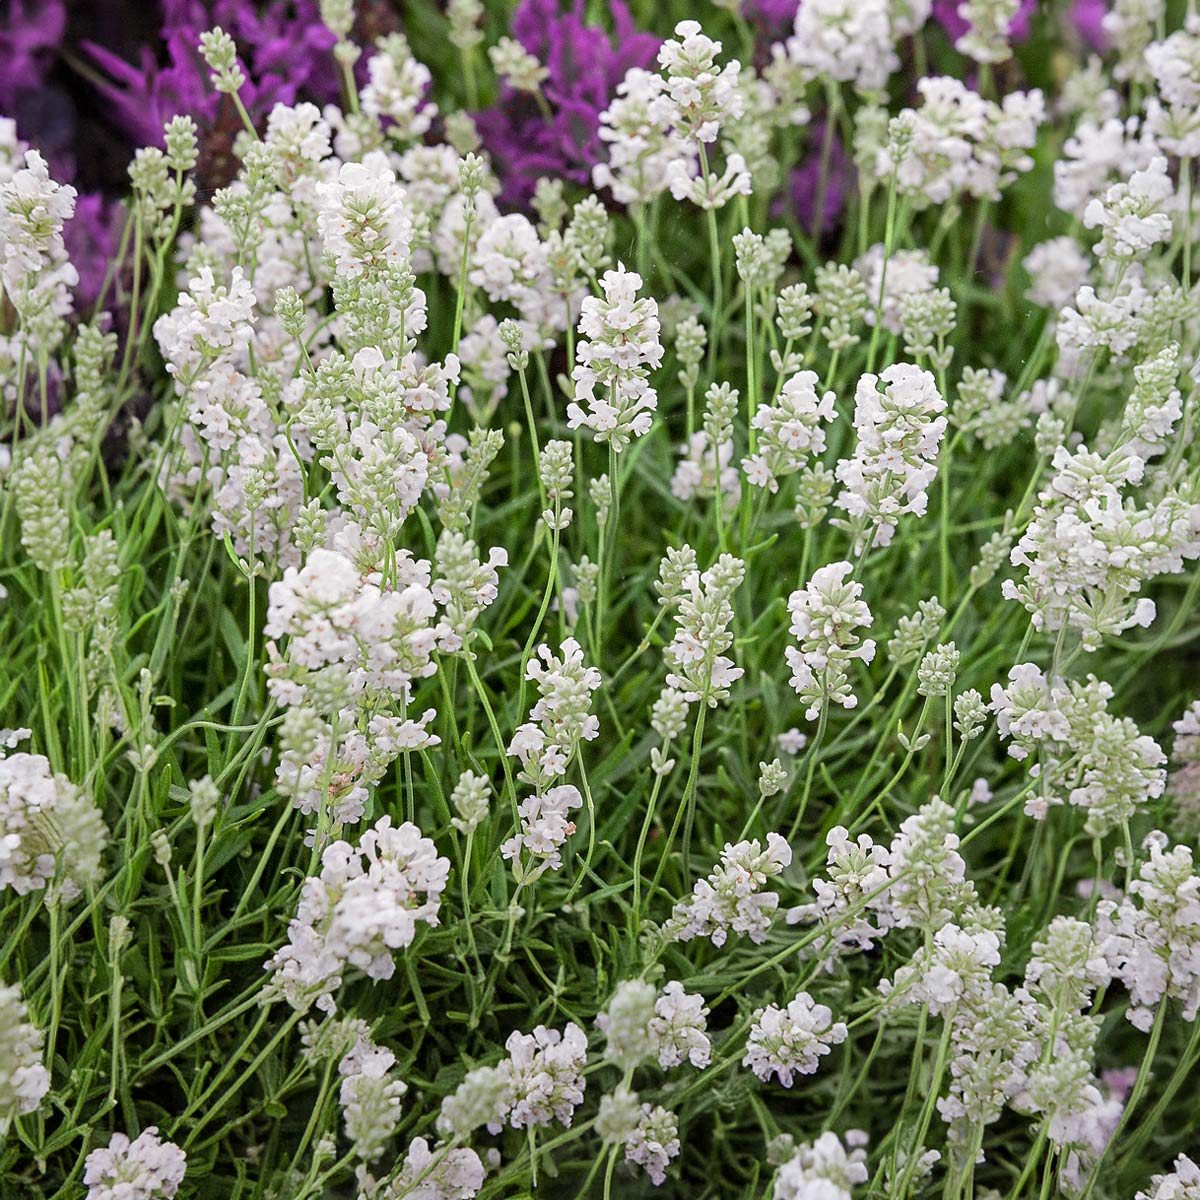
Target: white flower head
[789,1041]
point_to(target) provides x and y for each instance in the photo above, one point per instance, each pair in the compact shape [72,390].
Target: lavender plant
[611,612]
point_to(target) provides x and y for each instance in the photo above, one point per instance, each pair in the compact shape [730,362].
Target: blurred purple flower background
[284,51]
[143,65]
[90,82]
[29,38]
[1087,15]
[947,14]
[585,63]
[804,185]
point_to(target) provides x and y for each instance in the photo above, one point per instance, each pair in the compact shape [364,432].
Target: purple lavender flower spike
[282,56]
[144,97]
[29,35]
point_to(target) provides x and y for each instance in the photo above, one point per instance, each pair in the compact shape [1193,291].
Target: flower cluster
[698,668]
[561,719]
[789,431]
[1086,756]
[732,898]
[857,880]
[823,1168]
[653,1142]
[623,346]
[958,143]
[1151,938]
[391,300]
[1090,546]
[354,648]
[849,43]
[546,746]
[1183,784]
[24,1079]
[51,832]
[363,906]
[36,274]
[1174,1185]
[899,428]
[660,128]
[790,1041]
[641,1025]
[438,1173]
[369,1096]
[233,441]
[542,1079]
[145,1168]
[825,616]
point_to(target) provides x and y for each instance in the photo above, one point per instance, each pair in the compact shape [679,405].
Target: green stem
[1139,1086]
[927,1108]
[718,287]
[636,915]
[495,728]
